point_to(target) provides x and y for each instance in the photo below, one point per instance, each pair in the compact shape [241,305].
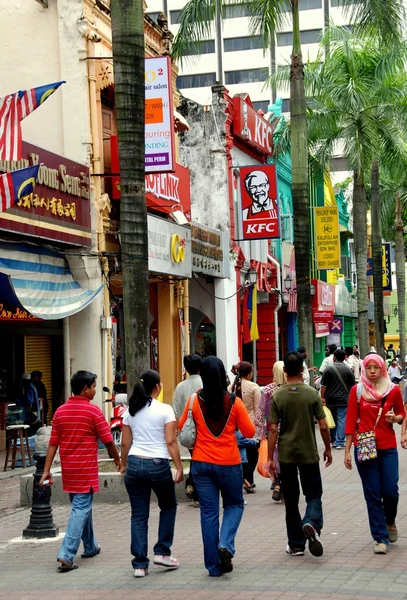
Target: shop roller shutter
[37,352]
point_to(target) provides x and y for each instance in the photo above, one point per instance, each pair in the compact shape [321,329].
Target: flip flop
[91,555]
[65,568]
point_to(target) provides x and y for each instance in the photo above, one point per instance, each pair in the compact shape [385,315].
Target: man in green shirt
[294,408]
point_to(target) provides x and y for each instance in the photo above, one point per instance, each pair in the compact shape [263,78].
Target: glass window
[234,11]
[153,15]
[340,2]
[242,43]
[246,76]
[286,105]
[308,5]
[195,81]
[311,36]
[174,16]
[206,47]
[261,104]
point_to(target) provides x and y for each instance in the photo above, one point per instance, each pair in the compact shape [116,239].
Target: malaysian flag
[16,185]
[13,109]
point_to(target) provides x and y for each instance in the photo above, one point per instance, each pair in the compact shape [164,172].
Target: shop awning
[41,281]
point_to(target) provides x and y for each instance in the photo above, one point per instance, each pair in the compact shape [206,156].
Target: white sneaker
[380,549]
[140,572]
[166,561]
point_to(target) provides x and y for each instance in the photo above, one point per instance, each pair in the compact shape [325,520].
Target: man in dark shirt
[36,377]
[336,383]
[294,408]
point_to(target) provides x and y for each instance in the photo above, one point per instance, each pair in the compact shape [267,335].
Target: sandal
[65,567]
[248,488]
[91,555]
[276,495]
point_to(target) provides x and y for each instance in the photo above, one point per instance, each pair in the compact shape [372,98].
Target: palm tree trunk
[360,237]
[377,260]
[128,60]
[401,279]
[299,159]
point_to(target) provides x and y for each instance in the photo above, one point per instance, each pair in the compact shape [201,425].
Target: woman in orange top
[216,464]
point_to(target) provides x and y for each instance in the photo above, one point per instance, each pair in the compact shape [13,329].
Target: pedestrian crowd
[231,429]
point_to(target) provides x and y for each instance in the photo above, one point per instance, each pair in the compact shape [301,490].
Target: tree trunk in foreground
[128,61]
[377,260]
[360,237]
[401,280]
[300,190]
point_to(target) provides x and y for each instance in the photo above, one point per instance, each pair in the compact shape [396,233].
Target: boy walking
[294,408]
[76,427]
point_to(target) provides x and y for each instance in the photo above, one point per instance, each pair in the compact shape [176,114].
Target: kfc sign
[249,126]
[258,190]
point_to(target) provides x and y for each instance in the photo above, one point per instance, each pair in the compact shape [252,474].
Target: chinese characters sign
[159,119]
[59,207]
[258,190]
[327,242]
[210,251]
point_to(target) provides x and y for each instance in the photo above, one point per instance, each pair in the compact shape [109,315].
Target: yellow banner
[327,240]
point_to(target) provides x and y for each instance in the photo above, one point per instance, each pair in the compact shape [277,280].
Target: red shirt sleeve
[102,427]
[398,403]
[352,413]
[244,423]
[54,438]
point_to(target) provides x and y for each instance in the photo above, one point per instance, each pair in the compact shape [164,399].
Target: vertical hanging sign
[327,242]
[159,118]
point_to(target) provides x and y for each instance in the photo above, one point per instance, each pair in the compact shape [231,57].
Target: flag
[250,329]
[13,109]
[17,184]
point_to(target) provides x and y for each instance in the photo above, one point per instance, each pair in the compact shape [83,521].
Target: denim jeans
[311,484]
[210,479]
[380,478]
[338,432]
[80,527]
[142,476]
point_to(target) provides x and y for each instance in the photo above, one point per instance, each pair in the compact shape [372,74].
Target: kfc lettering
[249,126]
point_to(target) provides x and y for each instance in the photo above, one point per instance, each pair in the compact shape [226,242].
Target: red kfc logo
[258,188]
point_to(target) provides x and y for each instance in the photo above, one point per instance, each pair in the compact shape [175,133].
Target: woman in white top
[148,442]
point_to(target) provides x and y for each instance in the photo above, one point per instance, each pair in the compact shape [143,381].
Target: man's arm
[323,428]
[273,434]
[322,389]
[170,432]
[52,450]
[111,448]
[127,438]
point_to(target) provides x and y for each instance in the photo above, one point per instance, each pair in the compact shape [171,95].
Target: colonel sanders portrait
[257,186]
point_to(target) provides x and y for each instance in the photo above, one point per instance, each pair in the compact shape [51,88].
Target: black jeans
[250,466]
[311,484]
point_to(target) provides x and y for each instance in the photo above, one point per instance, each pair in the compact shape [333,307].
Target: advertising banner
[169,248]
[386,266]
[159,118]
[251,127]
[336,326]
[321,330]
[327,241]
[258,191]
[322,316]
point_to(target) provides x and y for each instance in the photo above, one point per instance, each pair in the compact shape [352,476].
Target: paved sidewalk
[348,570]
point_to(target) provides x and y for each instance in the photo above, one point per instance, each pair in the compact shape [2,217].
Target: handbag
[187,435]
[330,421]
[366,448]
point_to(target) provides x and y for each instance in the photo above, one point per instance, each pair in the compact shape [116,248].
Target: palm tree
[377,258]
[358,101]
[196,24]
[128,57]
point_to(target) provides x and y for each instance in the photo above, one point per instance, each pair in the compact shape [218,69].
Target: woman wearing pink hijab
[379,475]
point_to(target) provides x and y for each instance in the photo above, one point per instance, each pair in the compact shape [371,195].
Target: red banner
[322,316]
[258,190]
[321,330]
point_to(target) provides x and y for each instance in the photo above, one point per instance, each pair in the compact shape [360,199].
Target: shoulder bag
[366,448]
[187,435]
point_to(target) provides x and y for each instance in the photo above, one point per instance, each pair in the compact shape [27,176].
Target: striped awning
[42,282]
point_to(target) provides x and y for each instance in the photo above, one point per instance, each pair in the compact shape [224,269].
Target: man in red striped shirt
[76,427]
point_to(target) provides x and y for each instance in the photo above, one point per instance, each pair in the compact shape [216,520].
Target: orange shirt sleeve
[244,423]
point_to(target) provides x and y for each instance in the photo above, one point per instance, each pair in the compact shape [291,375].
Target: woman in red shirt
[379,475]
[216,463]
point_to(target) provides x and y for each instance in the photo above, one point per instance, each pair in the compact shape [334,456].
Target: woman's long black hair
[142,390]
[213,376]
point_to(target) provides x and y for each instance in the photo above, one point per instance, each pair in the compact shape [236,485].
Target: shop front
[323,310]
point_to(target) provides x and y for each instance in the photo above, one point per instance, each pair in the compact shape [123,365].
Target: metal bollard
[41,523]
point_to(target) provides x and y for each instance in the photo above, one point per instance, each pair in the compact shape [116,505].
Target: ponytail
[142,391]
[242,369]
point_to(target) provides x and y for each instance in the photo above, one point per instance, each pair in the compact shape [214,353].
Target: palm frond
[377,18]
[197,22]
[267,17]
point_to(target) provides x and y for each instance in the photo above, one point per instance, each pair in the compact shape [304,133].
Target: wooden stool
[17,432]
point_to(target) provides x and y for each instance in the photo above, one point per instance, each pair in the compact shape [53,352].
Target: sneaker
[196,504]
[166,561]
[189,491]
[314,542]
[393,533]
[340,447]
[295,552]
[380,548]
[225,558]
[140,572]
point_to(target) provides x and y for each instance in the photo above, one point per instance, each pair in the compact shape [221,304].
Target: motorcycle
[119,406]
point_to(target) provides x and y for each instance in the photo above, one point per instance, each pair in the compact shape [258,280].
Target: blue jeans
[380,478]
[338,432]
[80,527]
[210,479]
[142,476]
[311,484]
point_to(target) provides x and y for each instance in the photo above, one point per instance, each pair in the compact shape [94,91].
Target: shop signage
[321,330]
[159,119]
[336,326]
[266,276]
[210,251]
[59,207]
[169,248]
[386,267]
[13,313]
[259,205]
[322,316]
[324,300]
[252,128]
[327,241]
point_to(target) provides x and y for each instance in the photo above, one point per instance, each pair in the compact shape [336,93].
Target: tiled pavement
[348,569]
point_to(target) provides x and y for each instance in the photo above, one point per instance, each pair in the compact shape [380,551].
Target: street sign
[327,242]
[386,266]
